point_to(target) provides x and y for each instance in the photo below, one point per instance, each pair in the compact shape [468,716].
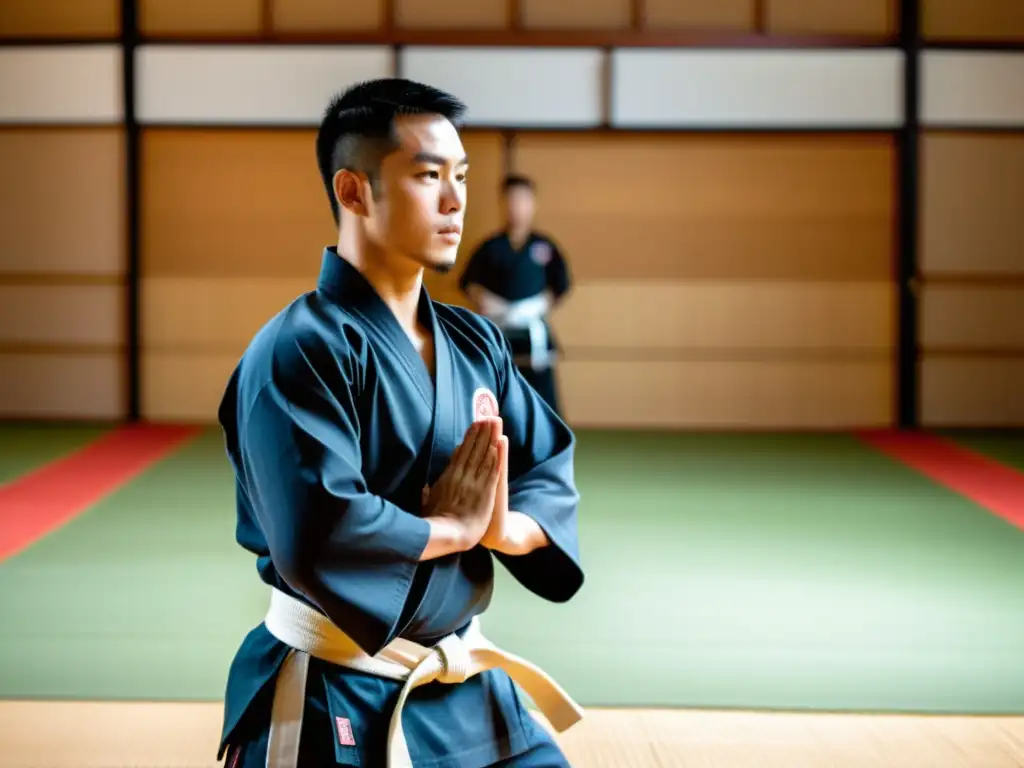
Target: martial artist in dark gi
[515,279]
[386,451]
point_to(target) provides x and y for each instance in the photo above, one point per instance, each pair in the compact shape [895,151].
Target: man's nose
[451,199]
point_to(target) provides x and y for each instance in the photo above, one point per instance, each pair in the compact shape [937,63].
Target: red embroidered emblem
[485,405]
[541,253]
[345,736]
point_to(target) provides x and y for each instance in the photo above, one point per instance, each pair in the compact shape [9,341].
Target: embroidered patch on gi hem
[345,736]
[485,404]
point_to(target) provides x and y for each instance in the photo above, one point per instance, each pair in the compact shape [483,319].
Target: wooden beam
[643,38]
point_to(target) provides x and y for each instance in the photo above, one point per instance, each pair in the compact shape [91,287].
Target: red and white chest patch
[485,405]
[540,253]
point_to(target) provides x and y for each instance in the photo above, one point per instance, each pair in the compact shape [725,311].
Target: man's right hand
[459,505]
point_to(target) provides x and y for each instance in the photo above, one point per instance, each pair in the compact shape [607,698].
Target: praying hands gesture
[510,532]
[497,528]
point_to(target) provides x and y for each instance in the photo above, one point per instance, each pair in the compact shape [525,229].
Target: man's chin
[442,265]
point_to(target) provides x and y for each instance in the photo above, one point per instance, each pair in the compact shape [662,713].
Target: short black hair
[356,132]
[514,180]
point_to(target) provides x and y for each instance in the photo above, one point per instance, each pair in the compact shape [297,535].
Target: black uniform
[516,275]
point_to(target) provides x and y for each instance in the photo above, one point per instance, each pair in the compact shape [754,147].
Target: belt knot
[455,657]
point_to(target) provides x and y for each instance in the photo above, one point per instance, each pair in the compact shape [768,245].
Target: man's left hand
[498,532]
[510,532]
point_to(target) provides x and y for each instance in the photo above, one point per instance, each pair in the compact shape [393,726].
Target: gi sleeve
[557,273]
[541,485]
[349,552]
[474,273]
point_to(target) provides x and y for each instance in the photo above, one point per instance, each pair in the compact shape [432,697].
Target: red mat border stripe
[38,503]
[990,484]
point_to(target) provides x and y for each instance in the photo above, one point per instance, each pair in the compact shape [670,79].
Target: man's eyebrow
[427,157]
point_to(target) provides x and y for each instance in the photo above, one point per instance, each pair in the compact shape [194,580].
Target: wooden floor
[112,735]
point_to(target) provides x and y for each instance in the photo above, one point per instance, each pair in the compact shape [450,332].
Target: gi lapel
[350,288]
[443,437]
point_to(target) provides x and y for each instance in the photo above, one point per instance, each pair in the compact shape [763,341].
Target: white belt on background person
[525,314]
[453,660]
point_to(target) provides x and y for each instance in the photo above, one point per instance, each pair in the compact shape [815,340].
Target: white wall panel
[684,88]
[515,86]
[250,84]
[61,314]
[61,84]
[984,88]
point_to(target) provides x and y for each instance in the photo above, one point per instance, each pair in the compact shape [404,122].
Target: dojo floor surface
[751,600]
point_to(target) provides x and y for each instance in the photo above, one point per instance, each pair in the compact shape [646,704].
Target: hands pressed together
[470,499]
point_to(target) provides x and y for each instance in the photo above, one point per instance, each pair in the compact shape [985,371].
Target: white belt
[452,661]
[525,313]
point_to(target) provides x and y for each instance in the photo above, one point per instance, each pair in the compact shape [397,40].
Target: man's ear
[351,189]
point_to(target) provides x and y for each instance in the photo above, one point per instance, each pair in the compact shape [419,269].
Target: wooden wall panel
[722,281]
[60,18]
[972,318]
[631,318]
[973,19]
[184,17]
[732,15]
[186,315]
[323,16]
[62,202]
[184,386]
[62,386]
[89,315]
[962,391]
[234,225]
[831,320]
[576,14]
[859,17]
[62,261]
[232,204]
[451,14]
[717,207]
[252,204]
[727,395]
[972,188]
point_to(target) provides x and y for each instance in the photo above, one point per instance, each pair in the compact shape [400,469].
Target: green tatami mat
[778,572]
[722,571]
[24,447]
[1006,447]
[145,595]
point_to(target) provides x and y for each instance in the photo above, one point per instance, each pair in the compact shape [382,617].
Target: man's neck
[518,236]
[396,280]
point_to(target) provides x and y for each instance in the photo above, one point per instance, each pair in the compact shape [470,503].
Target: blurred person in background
[515,279]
